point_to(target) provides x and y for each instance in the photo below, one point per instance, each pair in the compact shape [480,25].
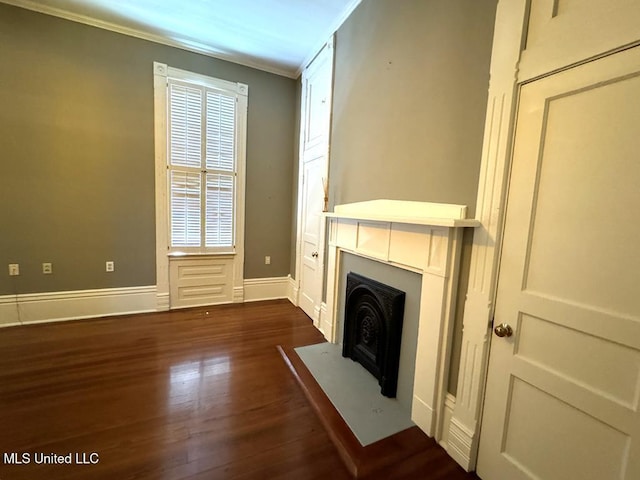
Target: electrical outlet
[14,269]
[47,268]
[110,266]
[267,260]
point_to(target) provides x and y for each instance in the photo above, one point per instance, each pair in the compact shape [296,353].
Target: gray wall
[77,162]
[410,92]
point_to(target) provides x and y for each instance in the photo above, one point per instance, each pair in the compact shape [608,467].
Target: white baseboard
[454,437]
[292,290]
[163,301]
[460,444]
[449,405]
[323,322]
[74,305]
[256,289]
[238,295]
[9,311]
[422,416]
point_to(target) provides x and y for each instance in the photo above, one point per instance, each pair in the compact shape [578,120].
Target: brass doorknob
[503,330]
[314,254]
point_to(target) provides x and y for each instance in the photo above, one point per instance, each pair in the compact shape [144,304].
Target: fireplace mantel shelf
[436,222]
[398,211]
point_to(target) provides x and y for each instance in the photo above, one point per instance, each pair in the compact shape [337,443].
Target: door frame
[329,46]
[506,78]
[464,427]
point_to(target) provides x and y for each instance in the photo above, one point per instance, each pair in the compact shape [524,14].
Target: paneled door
[563,388]
[314,149]
[311,273]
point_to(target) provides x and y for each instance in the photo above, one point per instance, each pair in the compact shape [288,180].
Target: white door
[314,150]
[563,391]
[311,273]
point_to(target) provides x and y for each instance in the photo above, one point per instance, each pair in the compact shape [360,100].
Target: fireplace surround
[421,237]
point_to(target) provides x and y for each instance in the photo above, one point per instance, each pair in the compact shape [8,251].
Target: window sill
[178,255]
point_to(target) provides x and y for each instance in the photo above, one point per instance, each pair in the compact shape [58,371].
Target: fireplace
[421,237]
[374,314]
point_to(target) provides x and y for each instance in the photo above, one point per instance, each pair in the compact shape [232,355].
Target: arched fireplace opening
[373,329]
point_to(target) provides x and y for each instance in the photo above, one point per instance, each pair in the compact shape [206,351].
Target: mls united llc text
[25,458]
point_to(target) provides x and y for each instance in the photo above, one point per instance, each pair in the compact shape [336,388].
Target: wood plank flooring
[192,394]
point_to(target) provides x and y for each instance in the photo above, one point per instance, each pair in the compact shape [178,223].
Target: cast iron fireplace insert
[373,329]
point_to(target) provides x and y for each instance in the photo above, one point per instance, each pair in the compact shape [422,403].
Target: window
[204,135]
[200,126]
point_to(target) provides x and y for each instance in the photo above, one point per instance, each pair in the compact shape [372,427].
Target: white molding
[241,198]
[74,305]
[238,294]
[9,314]
[316,319]
[461,443]
[423,415]
[323,319]
[151,37]
[346,13]
[256,289]
[449,405]
[160,162]
[204,80]
[292,290]
[464,429]
[163,302]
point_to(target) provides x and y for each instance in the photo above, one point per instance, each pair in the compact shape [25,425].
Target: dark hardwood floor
[193,394]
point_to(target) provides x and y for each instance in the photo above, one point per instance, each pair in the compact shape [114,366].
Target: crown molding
[152,37]
[346,13]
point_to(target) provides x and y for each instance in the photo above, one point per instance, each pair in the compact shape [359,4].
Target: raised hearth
[361,461]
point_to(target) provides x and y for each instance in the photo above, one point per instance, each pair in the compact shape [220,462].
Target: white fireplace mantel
[417,236]
[407,212]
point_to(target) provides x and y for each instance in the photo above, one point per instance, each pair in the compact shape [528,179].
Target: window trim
[161,73]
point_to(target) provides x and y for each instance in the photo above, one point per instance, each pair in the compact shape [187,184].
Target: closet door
[314,150]
[563,388]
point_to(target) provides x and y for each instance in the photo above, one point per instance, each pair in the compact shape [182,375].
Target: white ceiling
[279,36]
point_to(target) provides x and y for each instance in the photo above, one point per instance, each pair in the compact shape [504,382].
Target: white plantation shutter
[221,113]
[185,209]
[220,165]
[202,167]
[185,119]
[219,210]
